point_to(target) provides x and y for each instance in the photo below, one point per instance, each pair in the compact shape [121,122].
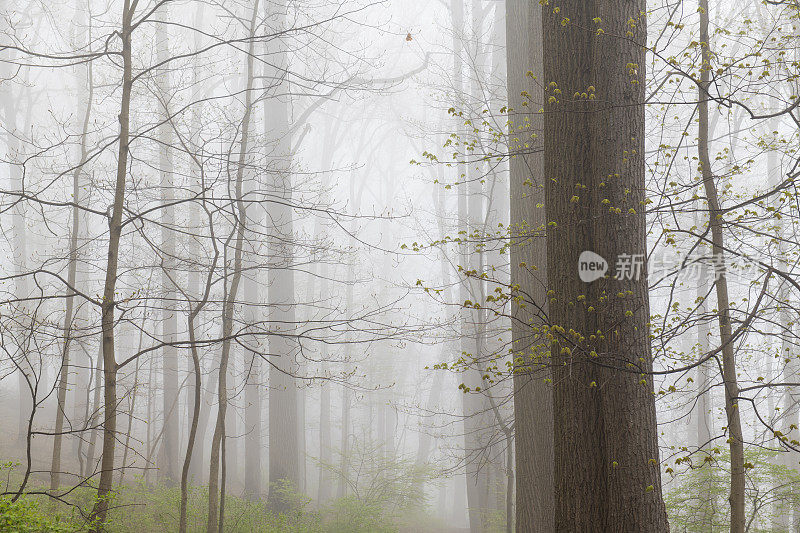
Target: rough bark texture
[606,463]
[533,395]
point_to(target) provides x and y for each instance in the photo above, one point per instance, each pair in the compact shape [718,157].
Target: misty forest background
[294,265]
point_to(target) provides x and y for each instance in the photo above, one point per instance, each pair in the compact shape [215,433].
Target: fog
[289,265]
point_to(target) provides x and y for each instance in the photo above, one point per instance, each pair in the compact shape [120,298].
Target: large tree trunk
[19,229]
[533,395]
[606,459]
[115,230]
[283,393]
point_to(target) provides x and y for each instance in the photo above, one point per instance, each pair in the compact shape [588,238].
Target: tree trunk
[253,429]
[197,415]
[92,418]
[344,447]
[325,457]
[115,230]
[168,469]
[215,508]
[196,390]
[72,274]
[735,440]
[283,423]
[477,489]
[606,459]
[533,395]
[19,251]
[131,410]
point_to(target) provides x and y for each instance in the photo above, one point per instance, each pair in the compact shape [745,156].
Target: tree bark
[533,394]
[107,320]
[606,459]
[735,439]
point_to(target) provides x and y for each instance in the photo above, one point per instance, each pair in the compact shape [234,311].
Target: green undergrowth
[139,508]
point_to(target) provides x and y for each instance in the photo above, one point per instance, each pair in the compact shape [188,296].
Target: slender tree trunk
[195,403]
[703,418]
[222,482]
[80,406]
[115,230]
[72,274]
[476,486]
[736,439]
[93,417]
[325,482]
[789,415]
[253,429]
[196,390]
[325,458]
[215,507]
[606,458]
[183,521]
[131,410]
[344,446]
[148,439]
[301,441]
[252,359]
